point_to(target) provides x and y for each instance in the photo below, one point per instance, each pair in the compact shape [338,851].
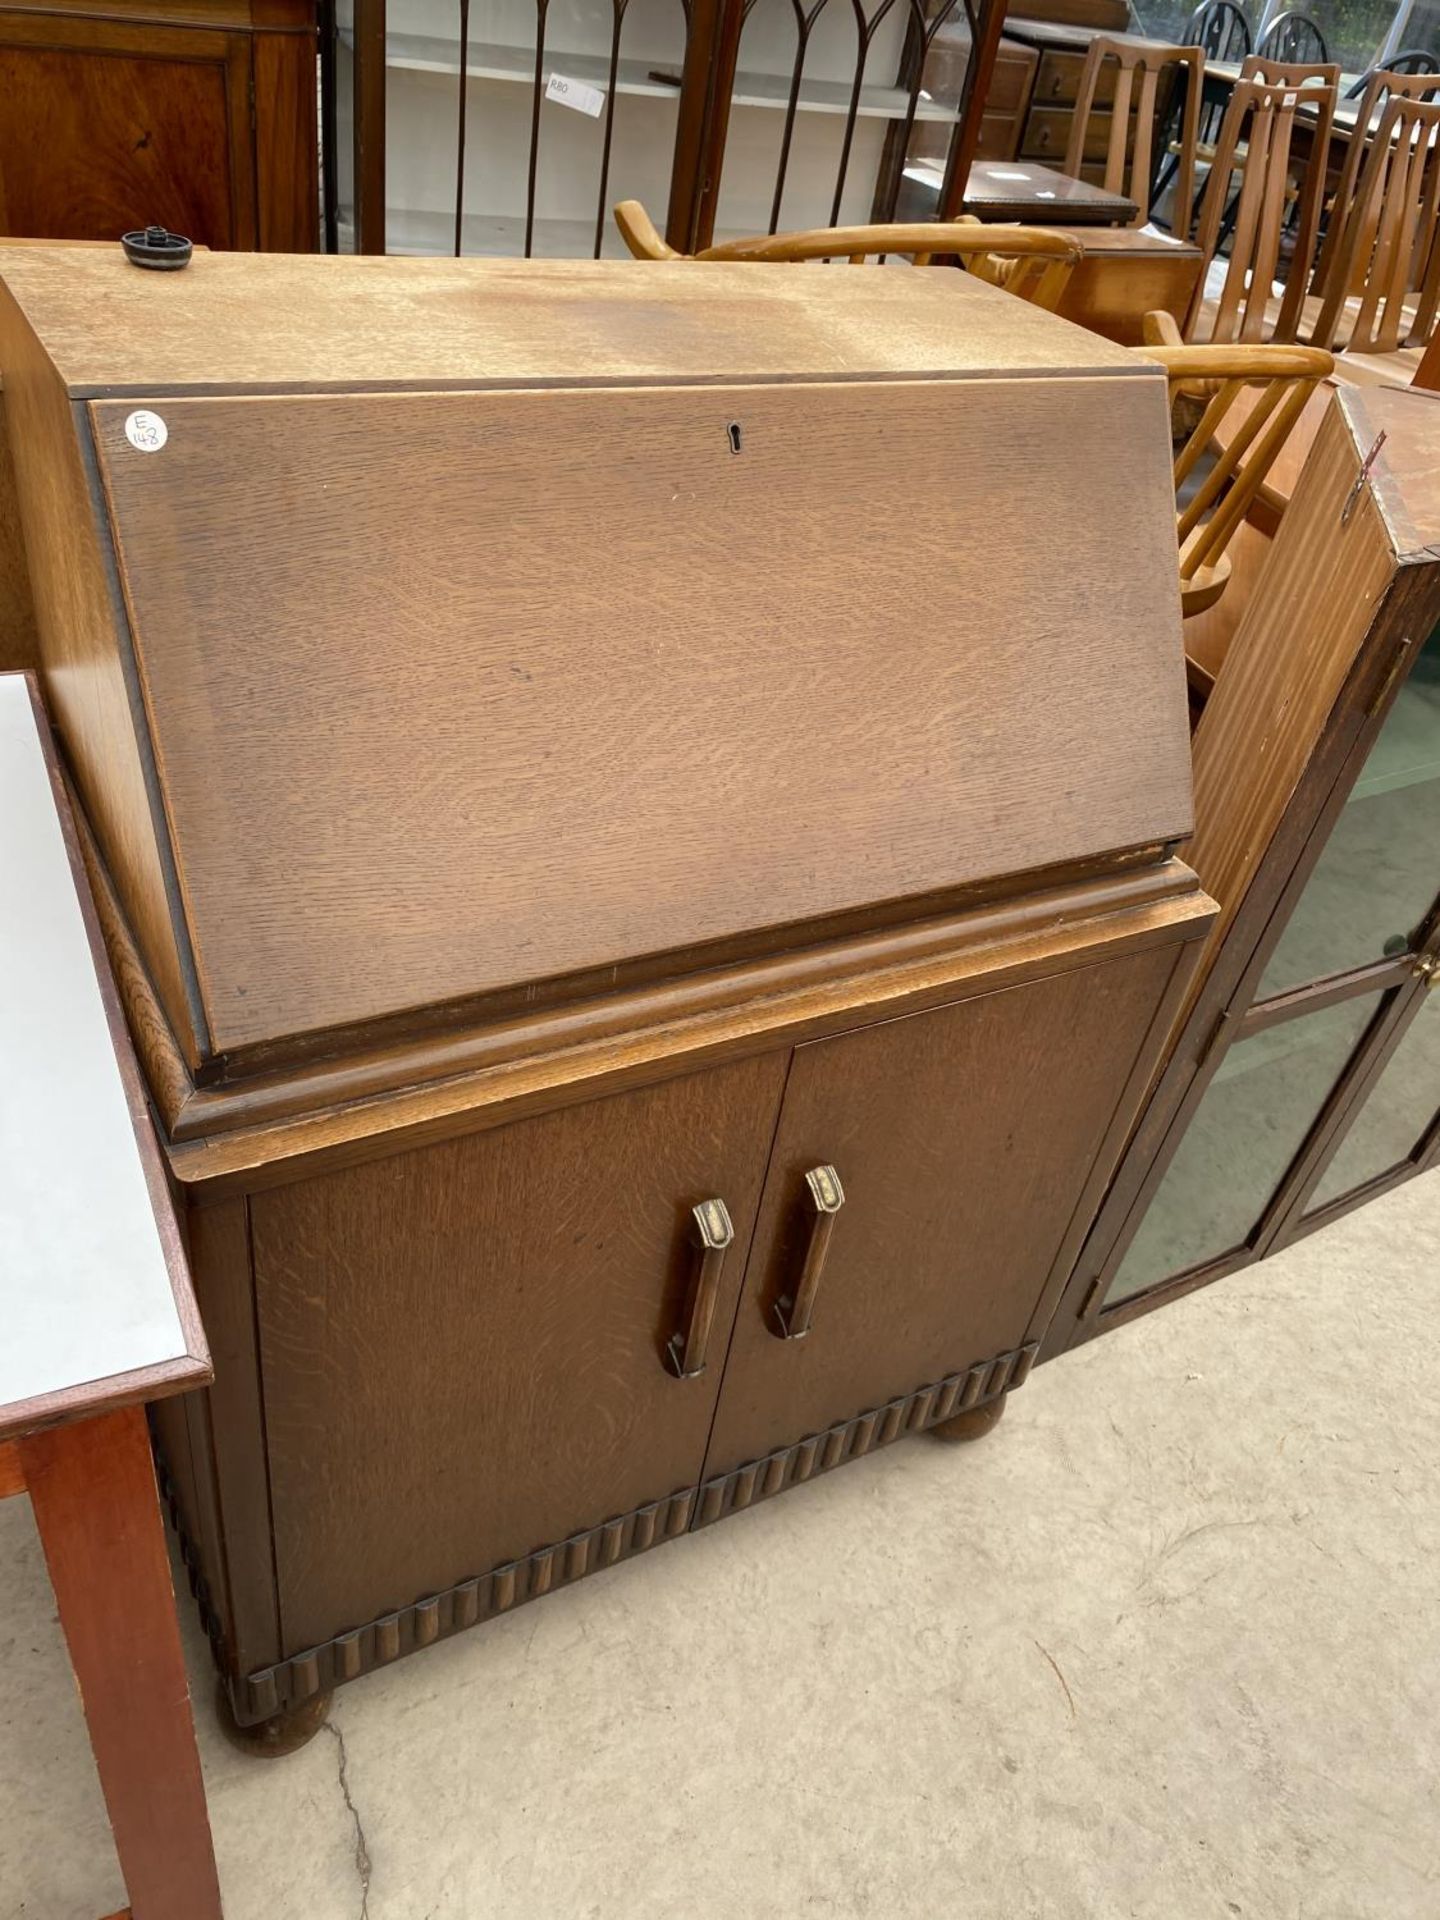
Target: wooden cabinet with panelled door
[640,1008]
[125,113]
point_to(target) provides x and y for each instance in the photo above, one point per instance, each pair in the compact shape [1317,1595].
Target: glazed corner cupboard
[637,1018]
[1304,1076]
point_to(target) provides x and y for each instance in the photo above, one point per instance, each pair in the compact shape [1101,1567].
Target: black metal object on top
[157,248]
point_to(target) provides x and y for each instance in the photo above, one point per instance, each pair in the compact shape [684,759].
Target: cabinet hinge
[253,120]
[1092,1294]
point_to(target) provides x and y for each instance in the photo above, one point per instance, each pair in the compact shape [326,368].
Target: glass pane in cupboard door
[1396,1115]
[1248,1128]
[566,107]
[828,98]
[1378,876]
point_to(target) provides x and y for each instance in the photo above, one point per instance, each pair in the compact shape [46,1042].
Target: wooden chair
[1410,60]
[1142,62]
[1256,141]
[1030,262]
[1293,36]
[1382,288]
[1221,32]
[1225,459]
[1378,87]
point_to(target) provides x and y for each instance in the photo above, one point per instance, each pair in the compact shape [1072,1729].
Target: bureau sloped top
[714,601]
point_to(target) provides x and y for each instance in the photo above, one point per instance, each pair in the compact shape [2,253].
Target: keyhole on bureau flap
[733,433]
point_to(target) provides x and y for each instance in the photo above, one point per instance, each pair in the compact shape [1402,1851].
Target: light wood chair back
[1256,140]
[1276,72]
[1221,465]
[1139,65]
[1387,245]
[1031,262]
[1381,86]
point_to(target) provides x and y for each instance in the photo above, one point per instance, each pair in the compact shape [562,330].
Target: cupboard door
[110,125]
[961,1138]
[464,1349]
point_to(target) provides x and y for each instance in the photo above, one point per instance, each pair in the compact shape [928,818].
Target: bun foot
[973,1424]
[281,1734]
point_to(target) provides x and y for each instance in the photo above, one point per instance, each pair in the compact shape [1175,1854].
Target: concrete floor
[1167,1644]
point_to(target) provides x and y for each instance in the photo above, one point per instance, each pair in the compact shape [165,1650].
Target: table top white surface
[85,1288]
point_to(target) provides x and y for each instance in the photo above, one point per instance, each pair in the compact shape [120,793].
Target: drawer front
[962,1139]
[999,136]
[1047,134]
[1010,84]
[1057,83]
[464,1349]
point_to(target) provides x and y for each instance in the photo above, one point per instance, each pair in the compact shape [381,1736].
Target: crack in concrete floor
[363,1865]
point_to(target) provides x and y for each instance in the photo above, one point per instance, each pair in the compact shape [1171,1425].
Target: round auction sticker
[146,431]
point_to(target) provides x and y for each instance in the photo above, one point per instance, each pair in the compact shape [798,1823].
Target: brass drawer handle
[794,1312]
[712,1233]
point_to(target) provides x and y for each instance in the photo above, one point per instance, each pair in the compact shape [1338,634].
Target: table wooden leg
[92,1485]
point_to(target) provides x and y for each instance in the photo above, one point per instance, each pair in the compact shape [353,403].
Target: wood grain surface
[501,743]
[283,1150]
[113,125]
[1285,668]
[81,666]
[230,1518]
[19,642]
[463,1350]
[1125,274]
[353,320]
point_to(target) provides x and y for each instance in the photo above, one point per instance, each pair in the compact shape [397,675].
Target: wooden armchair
[1031,262]
[1253,397]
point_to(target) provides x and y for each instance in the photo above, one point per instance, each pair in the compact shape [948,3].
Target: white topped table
[96,1316]
[96,1301]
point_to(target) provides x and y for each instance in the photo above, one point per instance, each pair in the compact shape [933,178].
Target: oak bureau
[637,821]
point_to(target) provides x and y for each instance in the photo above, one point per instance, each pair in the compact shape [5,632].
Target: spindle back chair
[1273,383]
[1031,262]
[1293,36]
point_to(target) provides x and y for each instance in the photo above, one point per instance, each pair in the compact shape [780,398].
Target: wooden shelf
[494,61]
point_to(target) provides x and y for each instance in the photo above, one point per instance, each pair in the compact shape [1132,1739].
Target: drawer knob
[794,1311]
[711,1233]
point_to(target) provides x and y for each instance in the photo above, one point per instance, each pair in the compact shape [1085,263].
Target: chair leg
[92,1485]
